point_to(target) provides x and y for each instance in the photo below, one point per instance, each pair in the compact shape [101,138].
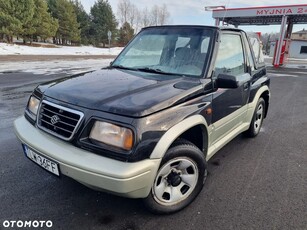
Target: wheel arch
[266,97]
[263,92]
[195,124]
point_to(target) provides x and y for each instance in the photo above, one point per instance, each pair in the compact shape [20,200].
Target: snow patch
[55,67]
[13,49]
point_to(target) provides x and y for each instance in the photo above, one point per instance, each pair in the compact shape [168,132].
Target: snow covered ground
[13,49]
[55,66]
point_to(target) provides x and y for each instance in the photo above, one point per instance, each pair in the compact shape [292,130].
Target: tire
[180,178]
[257,120]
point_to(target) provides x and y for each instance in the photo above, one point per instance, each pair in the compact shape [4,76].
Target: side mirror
[226,81]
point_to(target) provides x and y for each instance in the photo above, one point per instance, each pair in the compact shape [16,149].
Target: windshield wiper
[122,67]
[146,69]
[159,71]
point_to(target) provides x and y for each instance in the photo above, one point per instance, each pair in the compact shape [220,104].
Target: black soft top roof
[195,26]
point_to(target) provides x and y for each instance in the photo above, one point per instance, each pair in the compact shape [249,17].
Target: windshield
[168,50]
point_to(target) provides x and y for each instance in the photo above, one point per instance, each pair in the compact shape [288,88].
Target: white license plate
[45,163]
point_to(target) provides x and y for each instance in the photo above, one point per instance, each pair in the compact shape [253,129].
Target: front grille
[58,120]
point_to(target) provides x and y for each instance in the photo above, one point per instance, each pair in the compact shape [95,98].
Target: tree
[9,25]
[103,20]
[15,17]
[145,20]
[159,15]
[42,24]
[154,15]
[128,12]
[126,32]
[68,26]
[45,25]
[52,8]
[163,15]
[123,10]
[24,12]
[84,21]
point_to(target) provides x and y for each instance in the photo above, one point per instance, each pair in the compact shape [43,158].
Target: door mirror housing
[226,81]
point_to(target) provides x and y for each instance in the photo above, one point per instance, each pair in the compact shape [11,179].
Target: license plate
[45,163]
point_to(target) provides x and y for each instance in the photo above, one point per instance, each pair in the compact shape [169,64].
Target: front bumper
[132,180]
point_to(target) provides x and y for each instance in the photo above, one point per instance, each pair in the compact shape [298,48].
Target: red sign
[261,11]
[281,11]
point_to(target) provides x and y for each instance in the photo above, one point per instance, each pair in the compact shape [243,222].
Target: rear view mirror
[226,81]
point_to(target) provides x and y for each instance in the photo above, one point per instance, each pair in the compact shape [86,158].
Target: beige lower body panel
[132,180]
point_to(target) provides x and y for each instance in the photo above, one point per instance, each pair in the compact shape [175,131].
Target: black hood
[124,92]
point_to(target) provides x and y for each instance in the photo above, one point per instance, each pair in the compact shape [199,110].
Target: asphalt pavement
[258,183]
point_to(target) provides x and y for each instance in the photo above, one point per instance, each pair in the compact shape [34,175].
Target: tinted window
[230,58]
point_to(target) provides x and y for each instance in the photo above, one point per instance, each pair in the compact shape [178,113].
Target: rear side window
[257,48]
[230,56]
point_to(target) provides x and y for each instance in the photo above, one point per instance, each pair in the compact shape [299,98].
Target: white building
[298,45]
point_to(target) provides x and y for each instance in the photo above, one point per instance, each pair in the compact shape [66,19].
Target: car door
[229,105]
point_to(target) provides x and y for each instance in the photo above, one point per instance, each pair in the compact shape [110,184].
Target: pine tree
[24,11]
[126,33]
[15,17]
[84,20]
[42,24]
[103,20]
[68,25]
[45,26]
[52,9]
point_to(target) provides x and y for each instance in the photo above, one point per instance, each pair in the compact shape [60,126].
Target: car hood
[124,92]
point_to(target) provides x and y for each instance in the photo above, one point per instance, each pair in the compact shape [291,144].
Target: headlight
[32,107]
[112,135]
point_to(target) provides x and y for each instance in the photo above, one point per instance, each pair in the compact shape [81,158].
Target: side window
[257,48]
[230,57]
[249,54]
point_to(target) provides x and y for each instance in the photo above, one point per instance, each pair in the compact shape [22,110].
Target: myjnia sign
[261,11]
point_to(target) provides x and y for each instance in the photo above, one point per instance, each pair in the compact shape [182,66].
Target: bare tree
[128,12]
[154,15]
[145,18]
[138,21]
[132,15]
[123,10]
[159,15]
[163,15]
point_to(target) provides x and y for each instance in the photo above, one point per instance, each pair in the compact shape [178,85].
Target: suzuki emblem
[54,119]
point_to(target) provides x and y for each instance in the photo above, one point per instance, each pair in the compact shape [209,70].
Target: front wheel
[257,120]
[179,180]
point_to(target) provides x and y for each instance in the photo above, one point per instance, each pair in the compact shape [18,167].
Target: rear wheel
[180,178]
[257,120]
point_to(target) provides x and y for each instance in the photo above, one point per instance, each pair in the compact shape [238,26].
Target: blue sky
[193,12]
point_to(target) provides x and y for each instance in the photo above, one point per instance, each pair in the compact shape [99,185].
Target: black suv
[145,126]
